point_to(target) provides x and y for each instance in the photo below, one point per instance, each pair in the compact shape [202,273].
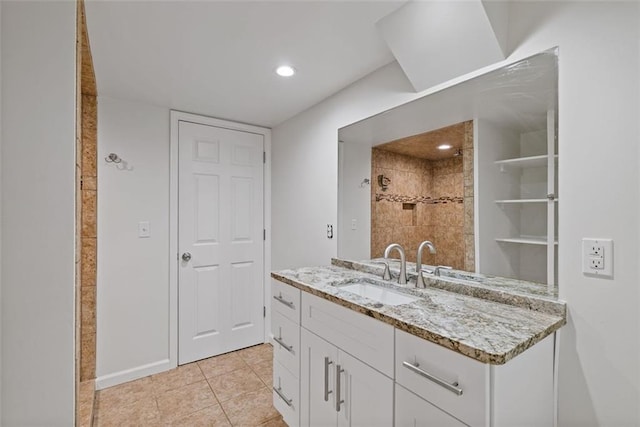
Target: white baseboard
[133,374]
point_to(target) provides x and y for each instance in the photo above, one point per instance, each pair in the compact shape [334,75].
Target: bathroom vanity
[353,349]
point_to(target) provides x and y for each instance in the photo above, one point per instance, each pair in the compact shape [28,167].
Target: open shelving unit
[517,201]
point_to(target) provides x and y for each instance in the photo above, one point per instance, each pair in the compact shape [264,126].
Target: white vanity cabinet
[339,386]
[285,328]
[468,392]
[413,411]
[334,366]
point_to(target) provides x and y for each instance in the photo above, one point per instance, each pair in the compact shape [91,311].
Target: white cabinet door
[366,395]
[412,411]
[317,381]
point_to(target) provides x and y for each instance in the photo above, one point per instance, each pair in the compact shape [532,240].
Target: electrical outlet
[597,263]
[329,231]
[596,250]
[597,257]
[354,225]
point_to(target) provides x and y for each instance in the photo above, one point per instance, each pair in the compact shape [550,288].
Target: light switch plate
[597,257]
[143,229]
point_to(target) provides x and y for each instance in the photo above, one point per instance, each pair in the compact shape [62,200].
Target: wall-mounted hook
[113,158]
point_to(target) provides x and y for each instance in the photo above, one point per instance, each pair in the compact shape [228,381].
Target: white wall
[38,187]
[599,193]
[305,167]
[354,201]
[133,273]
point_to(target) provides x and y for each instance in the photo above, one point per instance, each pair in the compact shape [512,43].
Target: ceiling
[218,58]
[425,145]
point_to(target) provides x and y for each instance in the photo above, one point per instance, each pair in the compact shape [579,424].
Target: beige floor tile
[276,422]
[179,402]
[124,394]
[176,378]
[143,412]
[256,354]
[235,383]
[213,416]
[250,409]
[222,364]
[264,370]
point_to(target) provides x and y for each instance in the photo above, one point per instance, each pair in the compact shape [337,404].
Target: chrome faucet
[432,249]
[402,279]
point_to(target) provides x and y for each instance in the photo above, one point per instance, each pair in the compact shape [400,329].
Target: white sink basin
[378,293]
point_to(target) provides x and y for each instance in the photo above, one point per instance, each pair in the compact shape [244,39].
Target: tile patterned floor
[233,389]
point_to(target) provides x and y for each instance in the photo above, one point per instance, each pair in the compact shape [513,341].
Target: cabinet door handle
[284,301]
[289,348]
[339,370]
[453,388]
[327,392]
[282,396]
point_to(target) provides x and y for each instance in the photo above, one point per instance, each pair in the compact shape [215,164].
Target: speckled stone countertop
[520,293]
[488,331]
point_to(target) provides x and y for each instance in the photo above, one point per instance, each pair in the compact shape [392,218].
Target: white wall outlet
[143,229]
[354,224]
[597,257]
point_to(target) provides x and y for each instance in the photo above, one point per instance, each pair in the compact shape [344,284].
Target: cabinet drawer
[363,337]
[418,359]
[286,394]
[285,300]
[286,347]
[412,411]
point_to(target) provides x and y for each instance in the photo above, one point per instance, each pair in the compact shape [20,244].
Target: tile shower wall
[86,223]
[399,213]
[425,200]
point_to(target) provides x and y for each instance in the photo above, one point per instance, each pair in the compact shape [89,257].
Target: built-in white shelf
[526,240]
[514,201]
[525,162]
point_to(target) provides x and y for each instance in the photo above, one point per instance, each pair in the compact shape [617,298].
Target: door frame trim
[175,118]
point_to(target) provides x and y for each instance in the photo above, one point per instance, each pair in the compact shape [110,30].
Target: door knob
[186,256]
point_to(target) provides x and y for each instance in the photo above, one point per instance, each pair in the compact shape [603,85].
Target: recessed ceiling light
[444,146]
[285,71]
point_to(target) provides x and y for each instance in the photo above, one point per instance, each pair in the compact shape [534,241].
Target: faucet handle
[436,271]
[387,273]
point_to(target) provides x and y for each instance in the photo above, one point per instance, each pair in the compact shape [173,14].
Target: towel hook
[113,158]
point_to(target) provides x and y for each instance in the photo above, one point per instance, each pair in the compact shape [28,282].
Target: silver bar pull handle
[327,392]
[453,388]
[284,301]
[339,401]
[289,348]
[282,396]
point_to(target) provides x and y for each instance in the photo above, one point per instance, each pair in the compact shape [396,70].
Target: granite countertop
[485,330]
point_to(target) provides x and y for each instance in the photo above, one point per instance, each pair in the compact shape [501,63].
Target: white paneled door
[220,240]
